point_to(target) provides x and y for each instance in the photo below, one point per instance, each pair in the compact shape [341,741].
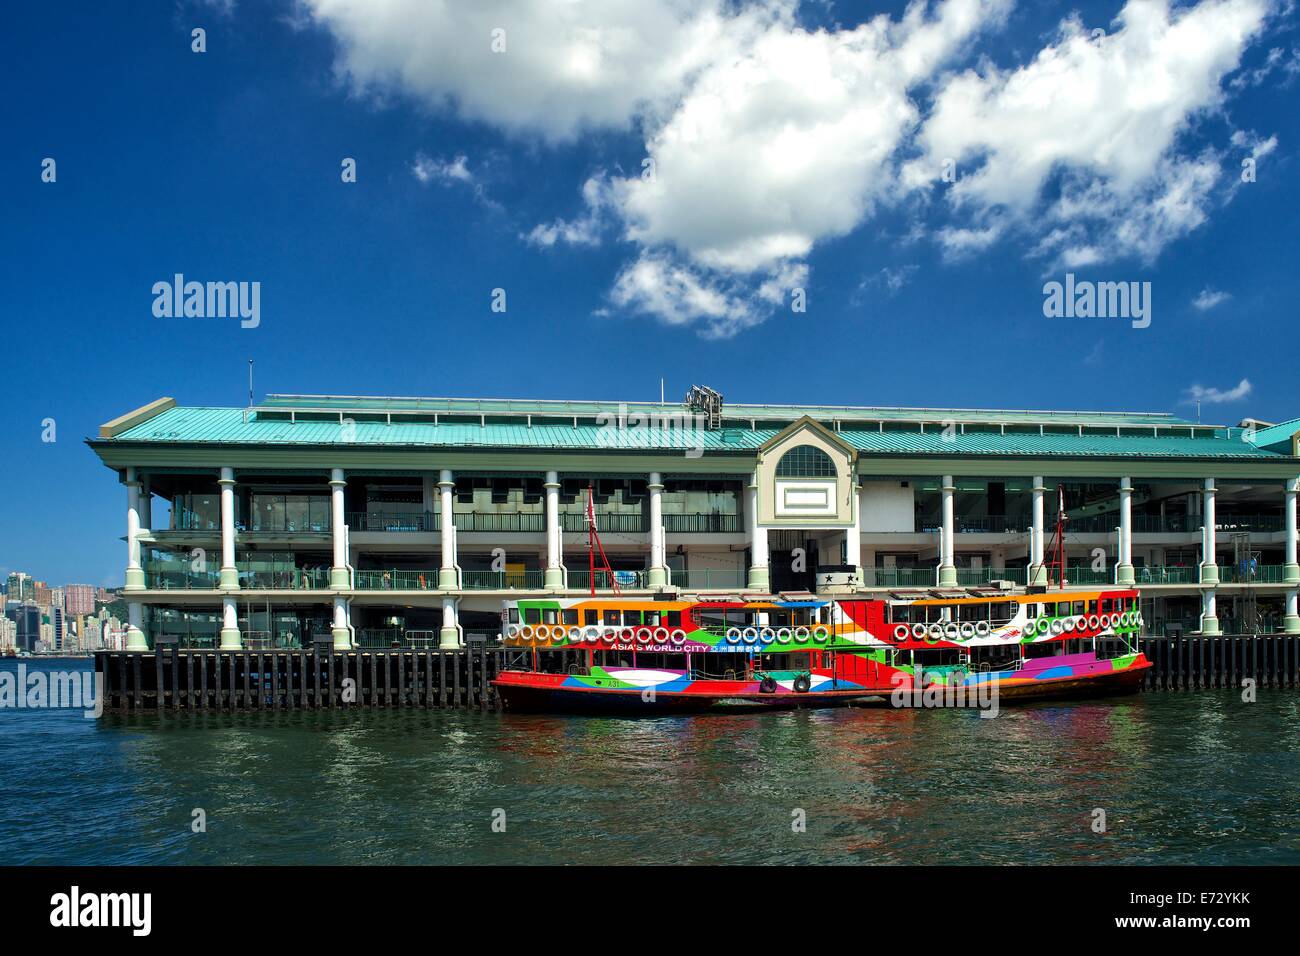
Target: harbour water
[1183,778]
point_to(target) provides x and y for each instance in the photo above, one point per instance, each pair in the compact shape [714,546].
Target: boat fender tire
[767,685]
[802,684]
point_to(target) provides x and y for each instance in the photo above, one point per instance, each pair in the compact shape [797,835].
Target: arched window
[805,461]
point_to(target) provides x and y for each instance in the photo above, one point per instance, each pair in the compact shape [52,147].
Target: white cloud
[1208,298]
[1103,115]
[767,138]
[566,67]
[1214,396]
[444,171]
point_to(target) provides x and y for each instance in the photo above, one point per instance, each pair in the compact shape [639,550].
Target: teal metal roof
[730,411]
[1278,437]
[240,427]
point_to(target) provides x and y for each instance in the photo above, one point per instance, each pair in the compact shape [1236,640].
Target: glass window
[514,615]
[590,616]
[805,461]
[611,618]
[570,617]
[674,618]
[632,618]
[532,615]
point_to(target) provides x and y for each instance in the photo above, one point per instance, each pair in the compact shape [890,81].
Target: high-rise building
[79,599]
[27,624]
[42,593]
[20,587]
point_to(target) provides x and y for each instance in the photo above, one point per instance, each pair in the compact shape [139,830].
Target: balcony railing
[710,579]
[306,516]
[374,638]
[501,580]
[614,523]
[501,522]
[182,580]
[701,524]
[381,521]
[899,577]
[1258,574]
[289,579]
[392,579]
[580,580]
[1158,574]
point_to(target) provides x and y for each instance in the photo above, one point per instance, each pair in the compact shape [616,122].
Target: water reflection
[1183,778]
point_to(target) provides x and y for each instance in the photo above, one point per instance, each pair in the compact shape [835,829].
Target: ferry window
[1002,611]
[514,615]
[1078,607]
[631,618]
[652,618]
[550,616]
[611,618]
[973,612]
[569,617]
[674,619]
[902,613]
[1092,607]
[532,615]
[590,616]
[1063,608]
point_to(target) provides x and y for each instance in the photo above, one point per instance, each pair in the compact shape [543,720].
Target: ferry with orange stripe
[796,650]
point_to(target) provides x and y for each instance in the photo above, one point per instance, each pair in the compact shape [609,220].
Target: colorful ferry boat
[618,654]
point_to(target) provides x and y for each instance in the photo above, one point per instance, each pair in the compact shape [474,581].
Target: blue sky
[1113,156]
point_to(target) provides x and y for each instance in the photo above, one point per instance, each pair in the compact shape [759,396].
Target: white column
[229,574]
[230,637]
[553,576]
[341,630]
[1124,563]
[947,563]
[1209,564]
[146,505]
[759,579]
[340,580]
[853,538]
[450,633]
[135,639]
[1037,573]
[1291,573]
[134,572]
[448,575]
[658,569]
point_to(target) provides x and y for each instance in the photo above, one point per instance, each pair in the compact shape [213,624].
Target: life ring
[801,634]
[609,636]
[821,633]
[513,630]
[951,631]
[591,635]
[643,635]
[1069,624]
[1057,627]
[783,635]
[749,635]
[766,635]
[967,630]
[733,635]
[627,635]
[983,629]
[542,632]
[935,633]
[661,631]
[526,632]
[1094,622]
[918,631]
[901,631]
[802,684]
[678,636]
[767,685]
